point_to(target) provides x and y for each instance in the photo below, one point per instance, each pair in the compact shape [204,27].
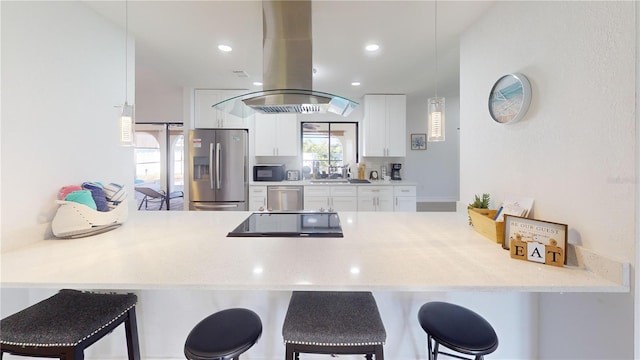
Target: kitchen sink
[330,181]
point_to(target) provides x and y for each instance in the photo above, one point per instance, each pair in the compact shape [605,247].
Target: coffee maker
[395,171]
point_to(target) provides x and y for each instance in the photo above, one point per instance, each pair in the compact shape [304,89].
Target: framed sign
[418,141]
[535,240]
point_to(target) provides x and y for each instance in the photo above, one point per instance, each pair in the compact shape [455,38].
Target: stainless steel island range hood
[287,67]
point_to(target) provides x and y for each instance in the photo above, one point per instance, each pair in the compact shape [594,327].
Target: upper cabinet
[276,135]
[206,117]
[384,125]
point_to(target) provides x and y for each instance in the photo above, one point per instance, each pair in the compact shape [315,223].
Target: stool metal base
[433,351]
[293,351]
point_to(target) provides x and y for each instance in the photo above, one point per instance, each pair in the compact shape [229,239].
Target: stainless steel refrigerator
[219,170]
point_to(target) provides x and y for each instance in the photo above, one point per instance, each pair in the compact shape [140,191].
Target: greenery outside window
[328,147]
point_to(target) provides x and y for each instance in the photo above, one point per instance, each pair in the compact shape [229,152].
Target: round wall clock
[510,98]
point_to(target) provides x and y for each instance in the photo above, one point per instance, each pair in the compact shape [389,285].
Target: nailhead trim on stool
[456,328]
[333,322]
[69,322]
[223,335]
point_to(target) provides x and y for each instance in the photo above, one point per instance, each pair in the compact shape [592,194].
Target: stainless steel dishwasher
[282,197]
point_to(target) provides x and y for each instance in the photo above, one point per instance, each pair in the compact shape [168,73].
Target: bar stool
[224,335]
[456,328]
[65,324]
[320,322]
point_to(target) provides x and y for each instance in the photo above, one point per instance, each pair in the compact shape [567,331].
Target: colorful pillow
[66,190]
[83,197]
[98,195]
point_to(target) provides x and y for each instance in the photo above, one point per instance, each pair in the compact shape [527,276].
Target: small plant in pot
[479,203]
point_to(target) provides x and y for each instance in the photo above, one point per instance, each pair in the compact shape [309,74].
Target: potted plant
[479,203]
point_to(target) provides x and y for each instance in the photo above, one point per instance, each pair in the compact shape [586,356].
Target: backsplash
[376,163]
[372,163]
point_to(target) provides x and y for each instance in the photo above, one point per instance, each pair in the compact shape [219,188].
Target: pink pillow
[66,190]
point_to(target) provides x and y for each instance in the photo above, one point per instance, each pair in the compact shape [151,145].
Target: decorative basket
[73,219]
[482,220]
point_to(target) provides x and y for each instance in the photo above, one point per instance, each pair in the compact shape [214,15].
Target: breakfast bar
[379,251]
[185,262]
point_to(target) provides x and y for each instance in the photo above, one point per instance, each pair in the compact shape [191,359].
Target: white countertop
[329,182]
[379,251]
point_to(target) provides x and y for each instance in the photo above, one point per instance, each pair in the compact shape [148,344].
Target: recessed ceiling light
[225,48]
[257,83]
[372,47]
[355,83]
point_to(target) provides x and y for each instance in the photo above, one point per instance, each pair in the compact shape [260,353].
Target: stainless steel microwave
[268,172]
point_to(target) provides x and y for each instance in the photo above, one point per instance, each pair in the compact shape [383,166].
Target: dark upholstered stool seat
[324,322]
[457,328]
[67,323]
[223,335]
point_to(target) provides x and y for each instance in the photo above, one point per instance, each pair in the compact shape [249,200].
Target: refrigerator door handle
[218,167]
[211,164]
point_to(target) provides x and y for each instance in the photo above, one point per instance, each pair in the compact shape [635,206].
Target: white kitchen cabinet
[336,198]
[404,198]
[317,197]
[276,135]
[257,198]
[206,117]
[384,125]
[375,198]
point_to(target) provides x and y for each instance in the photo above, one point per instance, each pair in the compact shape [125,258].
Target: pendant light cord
[435,36]
[126,51]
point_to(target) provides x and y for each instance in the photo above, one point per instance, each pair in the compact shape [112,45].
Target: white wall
[574,152]
[157,98]
[63,72]
[436,169]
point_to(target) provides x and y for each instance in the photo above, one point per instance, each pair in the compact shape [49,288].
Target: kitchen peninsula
[379,251]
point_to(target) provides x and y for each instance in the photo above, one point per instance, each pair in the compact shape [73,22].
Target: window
[328,147]
[160,158]
[178,159]
[147,154]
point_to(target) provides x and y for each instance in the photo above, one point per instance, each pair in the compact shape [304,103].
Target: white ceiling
[179,39]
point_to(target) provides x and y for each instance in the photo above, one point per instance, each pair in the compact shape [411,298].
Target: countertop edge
[614,288]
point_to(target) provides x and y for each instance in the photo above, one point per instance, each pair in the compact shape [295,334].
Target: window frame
[329,124]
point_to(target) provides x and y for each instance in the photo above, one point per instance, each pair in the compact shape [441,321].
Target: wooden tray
[482,220]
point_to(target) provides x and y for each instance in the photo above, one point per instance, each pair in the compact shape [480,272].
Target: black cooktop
[289,224]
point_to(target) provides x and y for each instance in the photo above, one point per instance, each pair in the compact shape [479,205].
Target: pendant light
[435,105]
[126,121]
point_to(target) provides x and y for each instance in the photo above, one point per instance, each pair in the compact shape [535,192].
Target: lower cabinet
[337,198]
[375,198]
[404,198]
[257,198]
[401,198]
